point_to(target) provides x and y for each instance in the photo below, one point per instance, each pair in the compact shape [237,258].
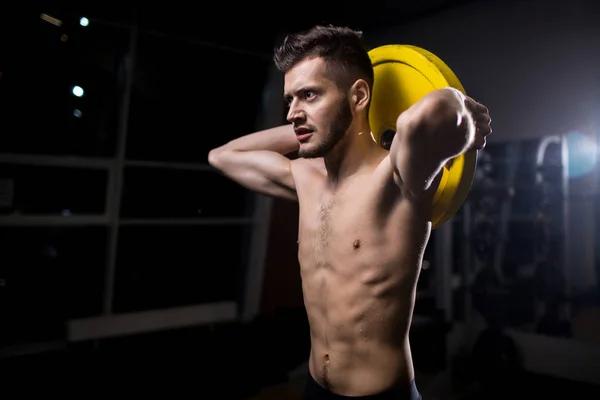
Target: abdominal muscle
[359,304]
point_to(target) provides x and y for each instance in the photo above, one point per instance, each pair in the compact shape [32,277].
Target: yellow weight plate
[461,178]
[403,75]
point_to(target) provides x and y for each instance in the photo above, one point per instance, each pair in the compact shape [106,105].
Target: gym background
[125,261]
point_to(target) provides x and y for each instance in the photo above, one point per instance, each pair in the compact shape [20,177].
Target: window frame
[108,324]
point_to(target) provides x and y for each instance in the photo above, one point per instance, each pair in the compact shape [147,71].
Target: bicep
[262,171]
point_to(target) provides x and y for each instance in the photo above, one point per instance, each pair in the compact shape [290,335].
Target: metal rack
[543,354]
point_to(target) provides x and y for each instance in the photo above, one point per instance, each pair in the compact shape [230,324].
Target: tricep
[262,171]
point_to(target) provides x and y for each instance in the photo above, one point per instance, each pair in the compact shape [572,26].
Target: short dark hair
[343,50]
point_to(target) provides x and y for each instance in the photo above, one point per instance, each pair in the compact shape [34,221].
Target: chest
[330,219]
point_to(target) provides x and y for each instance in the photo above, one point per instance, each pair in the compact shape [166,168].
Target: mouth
[302,134]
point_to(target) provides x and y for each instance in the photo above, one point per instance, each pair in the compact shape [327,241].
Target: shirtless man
[364,210]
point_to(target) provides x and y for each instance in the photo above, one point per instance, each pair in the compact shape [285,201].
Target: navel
[356,244]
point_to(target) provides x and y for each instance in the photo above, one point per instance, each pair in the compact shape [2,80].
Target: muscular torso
[360,248]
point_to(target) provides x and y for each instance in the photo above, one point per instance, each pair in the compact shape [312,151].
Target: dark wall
[534,63]
[282,284]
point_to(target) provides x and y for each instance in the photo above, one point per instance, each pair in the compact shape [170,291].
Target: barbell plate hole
[386,138]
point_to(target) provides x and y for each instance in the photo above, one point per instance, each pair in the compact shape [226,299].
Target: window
[188,99]
[47,190]
[173,193]
[162,266]
[44,68]
[182,233]
[47,276]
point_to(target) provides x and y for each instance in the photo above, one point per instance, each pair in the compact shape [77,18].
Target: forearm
[430,133]
[442,124]
[281,139]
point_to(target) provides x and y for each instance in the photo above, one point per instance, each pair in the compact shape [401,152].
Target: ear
[360,95]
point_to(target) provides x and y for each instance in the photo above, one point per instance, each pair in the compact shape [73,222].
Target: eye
[309,94]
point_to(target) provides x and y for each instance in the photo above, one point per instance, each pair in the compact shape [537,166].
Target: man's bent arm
[428,135]
[258,161]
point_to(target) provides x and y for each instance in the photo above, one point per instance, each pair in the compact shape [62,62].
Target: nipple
[356,244]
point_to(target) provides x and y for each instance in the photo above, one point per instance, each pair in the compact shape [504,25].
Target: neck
[356,151]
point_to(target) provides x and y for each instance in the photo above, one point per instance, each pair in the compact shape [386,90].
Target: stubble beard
[334,134]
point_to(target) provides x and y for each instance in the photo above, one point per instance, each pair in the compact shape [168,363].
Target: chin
[307,151]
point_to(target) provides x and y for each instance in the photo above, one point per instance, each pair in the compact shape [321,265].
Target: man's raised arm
[441,126]
[258,161]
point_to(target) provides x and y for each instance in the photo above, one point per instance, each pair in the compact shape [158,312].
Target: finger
[470,103]
[476,108]
[474,104]
[483,129]
[482,118]
[479,143]
[482,109]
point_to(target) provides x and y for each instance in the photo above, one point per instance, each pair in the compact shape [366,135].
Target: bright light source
[84,21]
[583,154]
[77,91]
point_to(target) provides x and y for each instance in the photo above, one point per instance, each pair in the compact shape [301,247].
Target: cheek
[325,115]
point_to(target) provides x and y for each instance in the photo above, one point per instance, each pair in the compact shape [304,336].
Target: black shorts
[314,391]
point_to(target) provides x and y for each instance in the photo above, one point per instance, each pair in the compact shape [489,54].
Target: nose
[295,114]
